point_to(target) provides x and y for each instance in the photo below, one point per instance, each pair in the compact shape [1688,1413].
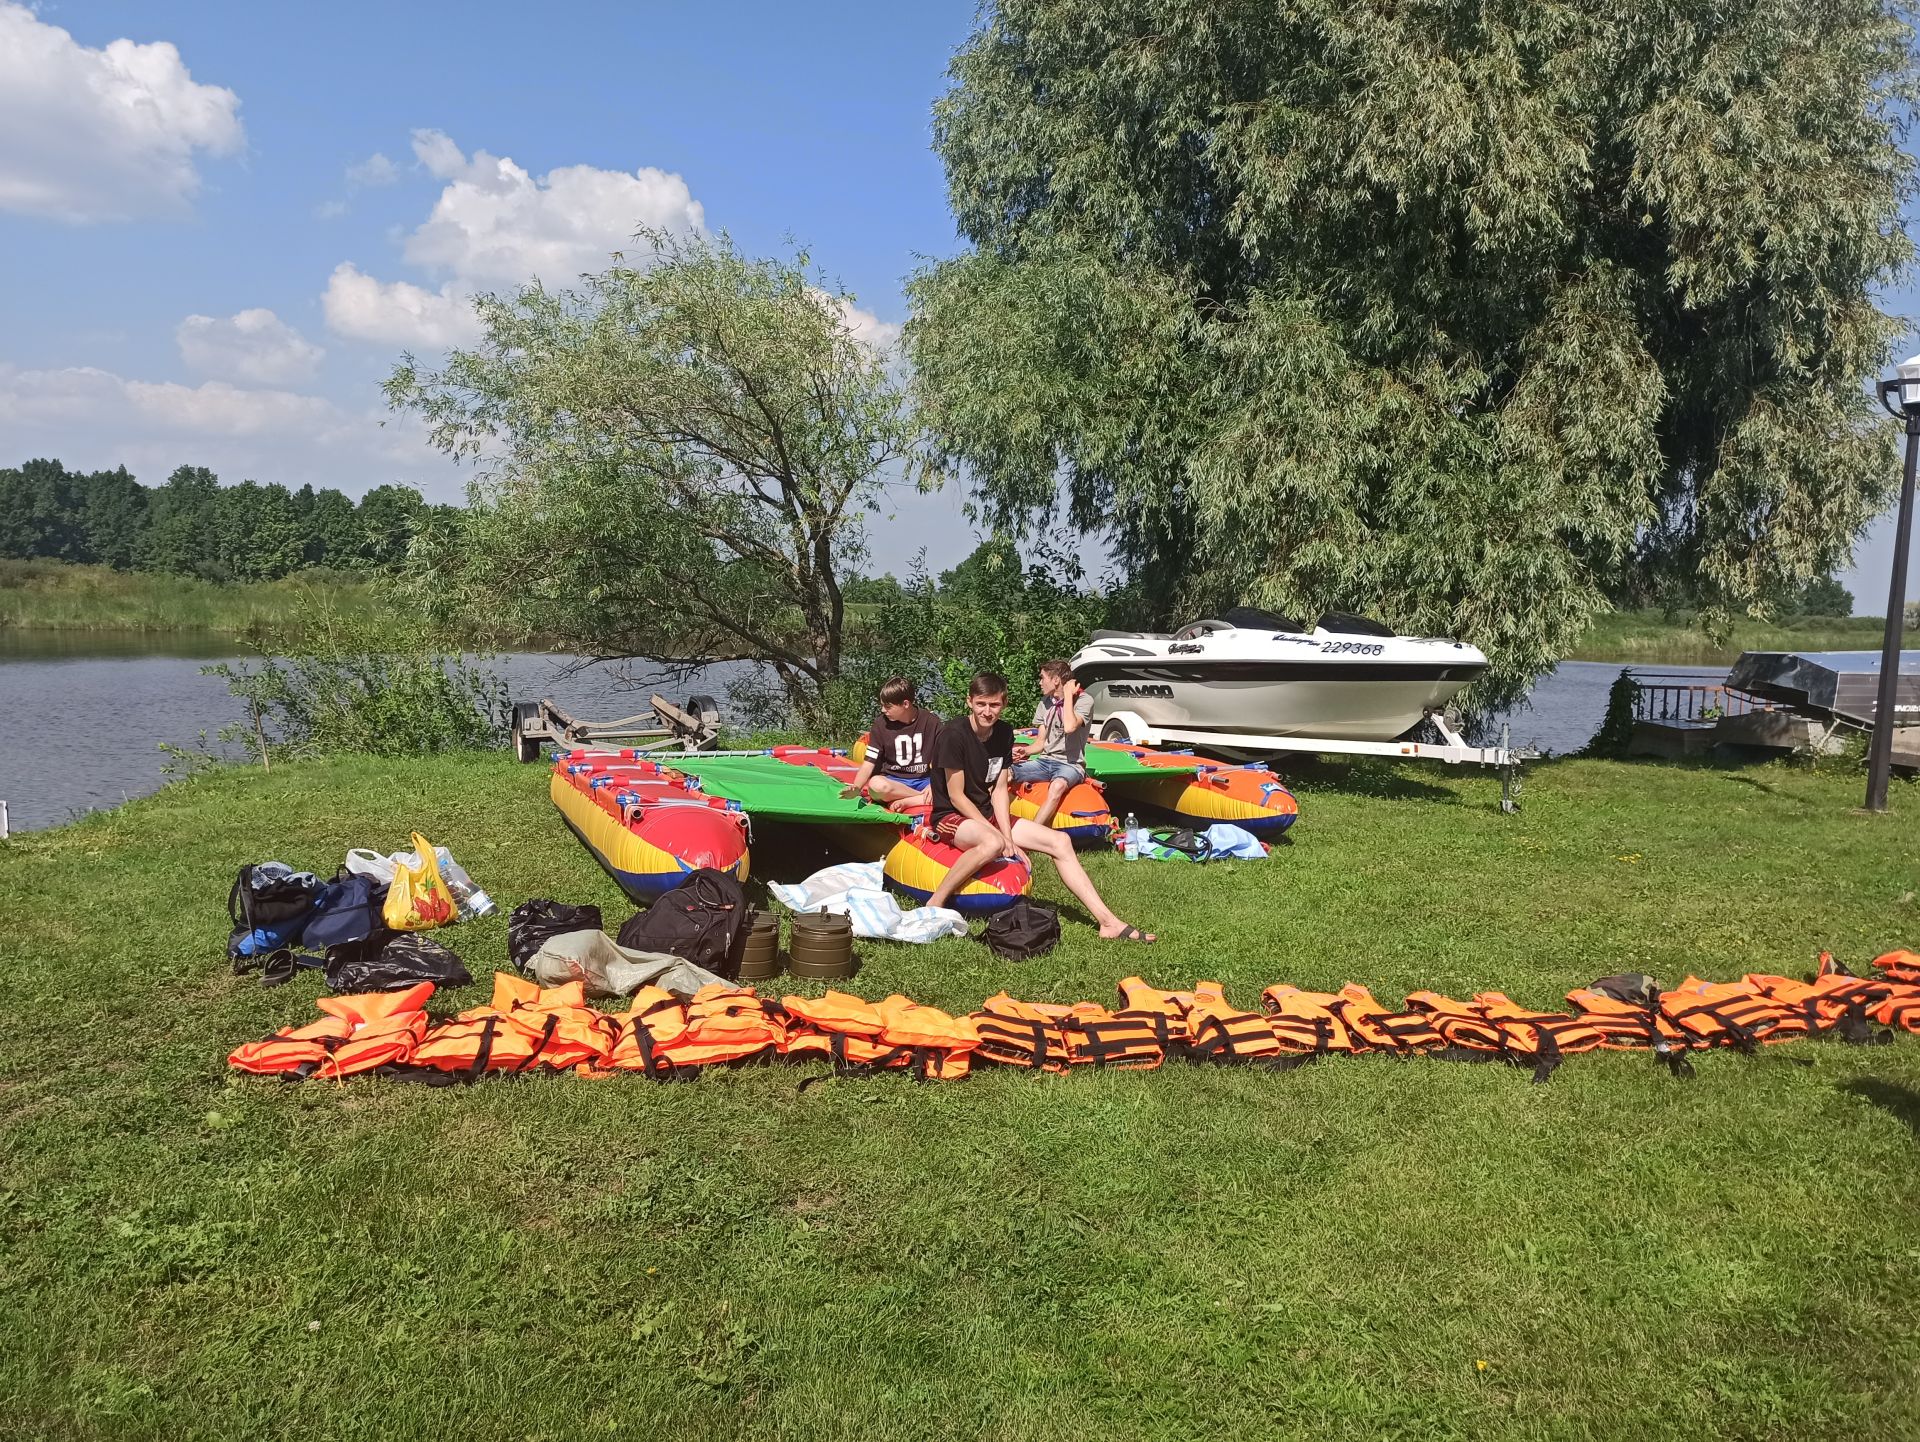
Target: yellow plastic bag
[418,899]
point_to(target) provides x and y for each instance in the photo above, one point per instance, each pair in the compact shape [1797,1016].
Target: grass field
[1361,1248]
[54,596]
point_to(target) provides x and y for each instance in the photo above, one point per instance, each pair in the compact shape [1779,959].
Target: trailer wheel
[1120,727]
[525,748]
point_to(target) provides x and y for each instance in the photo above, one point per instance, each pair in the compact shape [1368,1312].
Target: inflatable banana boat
[647,824]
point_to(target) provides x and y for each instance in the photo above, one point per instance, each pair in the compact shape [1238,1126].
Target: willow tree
[675,461]
[1450,311]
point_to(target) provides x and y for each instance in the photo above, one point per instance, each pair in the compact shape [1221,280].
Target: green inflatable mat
[777,789]
[1105,763]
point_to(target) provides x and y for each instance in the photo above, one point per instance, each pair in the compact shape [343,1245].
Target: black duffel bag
[1022,931]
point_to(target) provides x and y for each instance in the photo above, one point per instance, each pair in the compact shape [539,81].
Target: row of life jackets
[525,1027]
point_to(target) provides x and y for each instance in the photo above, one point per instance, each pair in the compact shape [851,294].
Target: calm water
[88,714]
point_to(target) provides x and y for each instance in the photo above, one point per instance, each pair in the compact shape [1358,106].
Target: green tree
[1445,312]
[388,519]
[676,458]
[40,513]
[332,531]
[113,513]
[181,530]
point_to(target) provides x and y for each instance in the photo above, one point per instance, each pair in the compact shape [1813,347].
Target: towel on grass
[857,890]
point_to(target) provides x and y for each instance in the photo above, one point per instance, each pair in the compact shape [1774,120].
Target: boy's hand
[849,793]
[1021,753]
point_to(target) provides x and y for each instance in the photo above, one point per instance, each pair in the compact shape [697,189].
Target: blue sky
[225,277]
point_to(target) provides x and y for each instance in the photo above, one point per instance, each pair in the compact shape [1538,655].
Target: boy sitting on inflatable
[972,774]
[1058,753]
[899,748]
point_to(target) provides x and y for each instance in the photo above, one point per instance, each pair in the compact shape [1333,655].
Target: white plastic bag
[471,900]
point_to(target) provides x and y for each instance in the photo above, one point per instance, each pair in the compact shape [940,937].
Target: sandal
[1133,933]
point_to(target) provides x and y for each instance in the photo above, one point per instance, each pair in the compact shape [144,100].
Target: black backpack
[1022,931]
[269,906]
[535,923]
[348,909]
[703,919]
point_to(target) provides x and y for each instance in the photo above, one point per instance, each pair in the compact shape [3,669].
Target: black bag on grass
[1022,931]
[407,958]
[703,919]
[1184,840]
[534,923]
[269,906]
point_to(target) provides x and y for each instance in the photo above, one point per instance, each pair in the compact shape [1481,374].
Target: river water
[88,713]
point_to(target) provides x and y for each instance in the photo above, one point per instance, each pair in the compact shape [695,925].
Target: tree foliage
[194,526]
[675,456]
[1450,312]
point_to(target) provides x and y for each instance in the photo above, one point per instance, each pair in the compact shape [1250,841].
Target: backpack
[1022,931]
[269,906]
[703,919]
[1167,843]
[534,923]
[346,910]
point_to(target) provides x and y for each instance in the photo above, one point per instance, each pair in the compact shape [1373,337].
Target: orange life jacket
[354,1034]
[1137,996]
[1375,1027]
[1529,1031]
[1625,1025]
[1219,1031]
[843,1028]
[726,1023]
[1130,1040]
[1901,966]
[1013,1033]
[1306,1023]
[653,1018]
[524,1026]
[942,1045]
[1729,1013]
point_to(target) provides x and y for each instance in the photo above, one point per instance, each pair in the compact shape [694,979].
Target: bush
[347,684]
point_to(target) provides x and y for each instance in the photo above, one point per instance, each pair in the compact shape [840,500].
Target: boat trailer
[693,727]
[1452,748]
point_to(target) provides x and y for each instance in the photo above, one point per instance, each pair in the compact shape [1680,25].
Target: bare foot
[903,805]
[1120,931]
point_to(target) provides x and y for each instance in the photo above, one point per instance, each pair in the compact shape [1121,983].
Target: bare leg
[980,844]
[1056,793]
[895,795]
[1055,846]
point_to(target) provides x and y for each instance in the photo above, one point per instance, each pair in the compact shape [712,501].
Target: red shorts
[947,825]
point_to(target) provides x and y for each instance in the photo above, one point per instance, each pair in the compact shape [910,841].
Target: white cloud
[396,313]
[93,418]
[106,134]
[250,345]
[865,326]
[376,169]
[494,224]
[330,210]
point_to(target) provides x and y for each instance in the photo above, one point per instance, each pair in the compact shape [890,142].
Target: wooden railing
[1688,701]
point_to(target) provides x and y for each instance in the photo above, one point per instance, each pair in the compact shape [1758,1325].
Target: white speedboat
[1250,672]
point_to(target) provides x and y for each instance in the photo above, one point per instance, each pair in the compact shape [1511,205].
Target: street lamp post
[1901,397]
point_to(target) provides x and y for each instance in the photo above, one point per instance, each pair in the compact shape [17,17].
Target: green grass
[1332,1252]
[1651,637]
[55,596]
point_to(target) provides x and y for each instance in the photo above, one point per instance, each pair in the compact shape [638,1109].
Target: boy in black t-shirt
[972,771]
[900,748]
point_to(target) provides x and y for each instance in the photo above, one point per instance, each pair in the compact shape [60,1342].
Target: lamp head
[1901,394]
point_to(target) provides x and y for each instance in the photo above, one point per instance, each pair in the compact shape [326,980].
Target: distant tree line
[194,526]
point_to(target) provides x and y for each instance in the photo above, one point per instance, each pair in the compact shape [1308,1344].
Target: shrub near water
[343,684]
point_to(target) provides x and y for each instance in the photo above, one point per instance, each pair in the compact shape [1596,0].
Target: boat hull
[1328,701]
[656,849]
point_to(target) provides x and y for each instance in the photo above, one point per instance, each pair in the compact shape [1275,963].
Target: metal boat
[1344,678]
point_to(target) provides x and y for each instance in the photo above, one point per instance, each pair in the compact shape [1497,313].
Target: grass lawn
[1361,1248]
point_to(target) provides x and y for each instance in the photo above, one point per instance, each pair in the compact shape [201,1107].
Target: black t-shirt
[897,749]
[980,762]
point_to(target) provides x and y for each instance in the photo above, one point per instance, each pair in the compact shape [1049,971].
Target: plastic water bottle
[1132,842]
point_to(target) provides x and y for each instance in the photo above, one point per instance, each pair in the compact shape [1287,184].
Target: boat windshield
[1350,625]
[1247,618]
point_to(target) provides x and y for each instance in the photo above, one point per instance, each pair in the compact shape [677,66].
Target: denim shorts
[1048,768]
